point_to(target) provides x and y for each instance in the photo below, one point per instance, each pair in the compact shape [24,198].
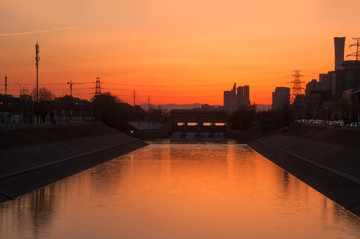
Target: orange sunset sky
[176,51]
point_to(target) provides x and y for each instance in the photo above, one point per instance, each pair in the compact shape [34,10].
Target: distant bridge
[198,120]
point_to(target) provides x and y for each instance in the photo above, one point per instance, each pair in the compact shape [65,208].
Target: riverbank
[327,159]
[32,158]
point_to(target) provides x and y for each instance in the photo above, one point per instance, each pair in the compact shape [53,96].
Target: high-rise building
[313,85]
[281,97]
[339,51]
[236,98]
[246,95]
[230,99]
[240,96]
[325,82]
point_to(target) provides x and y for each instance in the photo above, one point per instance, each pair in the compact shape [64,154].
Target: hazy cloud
[35,32]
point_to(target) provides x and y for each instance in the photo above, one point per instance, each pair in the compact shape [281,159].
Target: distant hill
[259,107]
[173,106]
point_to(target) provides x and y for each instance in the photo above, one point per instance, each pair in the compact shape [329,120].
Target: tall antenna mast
[357,45]
[148,102]
[134,95]
[5,85]
[37,59]
[297,88]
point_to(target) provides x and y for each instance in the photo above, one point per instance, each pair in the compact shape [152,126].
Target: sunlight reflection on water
[179,190]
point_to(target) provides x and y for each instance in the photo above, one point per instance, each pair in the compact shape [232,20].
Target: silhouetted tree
[242,118]
[44,94]
[274,119]
[111,111]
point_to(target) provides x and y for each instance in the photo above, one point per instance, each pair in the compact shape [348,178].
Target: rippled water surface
[179,191]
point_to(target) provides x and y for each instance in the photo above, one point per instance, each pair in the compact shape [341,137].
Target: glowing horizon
[175,52]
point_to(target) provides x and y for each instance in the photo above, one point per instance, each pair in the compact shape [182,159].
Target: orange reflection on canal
[179,191]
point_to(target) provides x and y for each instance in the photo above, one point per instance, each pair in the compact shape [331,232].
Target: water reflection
[31,214]
[179,191]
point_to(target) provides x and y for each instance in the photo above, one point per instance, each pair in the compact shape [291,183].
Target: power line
[200,85]
[321,71]
[152,91]
[357,45]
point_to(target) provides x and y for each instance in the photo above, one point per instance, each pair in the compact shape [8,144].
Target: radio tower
[97,87]
[37,59]
[297,88]
[5,85]
[357,44]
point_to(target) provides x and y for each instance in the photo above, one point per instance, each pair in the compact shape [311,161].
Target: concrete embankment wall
[35,157]
[327,159]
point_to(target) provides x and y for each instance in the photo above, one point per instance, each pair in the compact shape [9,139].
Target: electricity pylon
[357,45]
[297,89]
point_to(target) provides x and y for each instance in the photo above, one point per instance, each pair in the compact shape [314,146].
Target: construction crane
[71,84]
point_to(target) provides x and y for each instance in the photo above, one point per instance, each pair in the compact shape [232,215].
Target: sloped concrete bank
[327,159]
[33,158]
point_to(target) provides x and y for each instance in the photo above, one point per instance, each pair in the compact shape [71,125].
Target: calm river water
[179,191]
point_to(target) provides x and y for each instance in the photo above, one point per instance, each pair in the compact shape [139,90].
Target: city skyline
[175,52]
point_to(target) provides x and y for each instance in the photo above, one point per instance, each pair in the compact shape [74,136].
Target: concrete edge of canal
[26,168]
[327,164]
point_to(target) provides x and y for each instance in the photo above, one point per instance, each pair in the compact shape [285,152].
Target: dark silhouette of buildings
[280,98]
[237,98]
[230,99]
[337,85]
[242,97]
[335,95]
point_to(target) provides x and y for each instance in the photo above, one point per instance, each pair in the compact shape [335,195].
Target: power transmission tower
[37,59]
[357,45]
[97,86]
[297,89]
[134,95]
[148,102]
[71,84]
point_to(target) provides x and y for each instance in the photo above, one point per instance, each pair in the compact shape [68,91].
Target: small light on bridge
[220,124]
[192,124]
